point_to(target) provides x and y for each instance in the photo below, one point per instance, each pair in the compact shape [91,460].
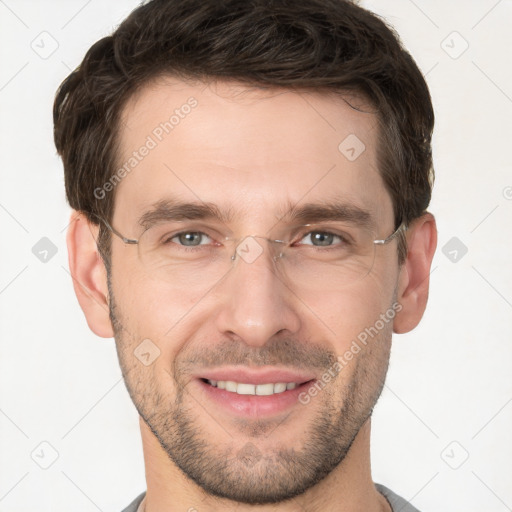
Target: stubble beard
[243,470]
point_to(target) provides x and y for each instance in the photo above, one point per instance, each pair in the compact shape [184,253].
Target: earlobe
[414,277]
[89,274]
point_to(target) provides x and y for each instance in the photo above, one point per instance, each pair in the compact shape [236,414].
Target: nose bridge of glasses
[251,247]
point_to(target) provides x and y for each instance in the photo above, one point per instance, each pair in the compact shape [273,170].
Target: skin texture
[255,152]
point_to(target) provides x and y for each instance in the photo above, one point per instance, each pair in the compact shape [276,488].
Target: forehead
[245,149]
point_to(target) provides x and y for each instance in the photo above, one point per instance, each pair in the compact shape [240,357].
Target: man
[250,183]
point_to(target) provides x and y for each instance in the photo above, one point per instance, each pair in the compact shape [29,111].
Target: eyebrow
[176,210]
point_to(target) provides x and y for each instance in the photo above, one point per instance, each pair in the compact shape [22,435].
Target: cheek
[148,303]
[149,309]
[348,313]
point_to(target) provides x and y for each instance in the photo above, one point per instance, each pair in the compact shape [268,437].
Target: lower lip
[254,405]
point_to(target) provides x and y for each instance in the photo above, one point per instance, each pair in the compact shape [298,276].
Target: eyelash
[344,240]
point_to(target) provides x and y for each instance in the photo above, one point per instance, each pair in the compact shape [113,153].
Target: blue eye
[322,238]
[189,238]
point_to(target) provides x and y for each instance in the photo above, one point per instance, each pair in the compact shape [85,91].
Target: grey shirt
[397,503]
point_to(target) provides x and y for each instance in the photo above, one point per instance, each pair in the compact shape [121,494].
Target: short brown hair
[317,45]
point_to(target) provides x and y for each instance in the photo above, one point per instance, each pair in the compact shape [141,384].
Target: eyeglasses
[311,257]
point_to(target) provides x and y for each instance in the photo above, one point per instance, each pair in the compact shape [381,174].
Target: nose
[256,301]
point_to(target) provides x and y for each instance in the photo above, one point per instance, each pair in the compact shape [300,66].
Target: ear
[89,274]
[413,282]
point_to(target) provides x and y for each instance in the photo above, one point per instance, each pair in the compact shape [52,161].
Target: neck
[349,488]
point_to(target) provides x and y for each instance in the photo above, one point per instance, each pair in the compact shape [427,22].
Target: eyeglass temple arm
[113,230]
[393,235]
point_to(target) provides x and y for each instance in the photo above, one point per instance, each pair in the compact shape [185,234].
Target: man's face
[254,154]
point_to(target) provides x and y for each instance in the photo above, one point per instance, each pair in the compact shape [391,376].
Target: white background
[449,388]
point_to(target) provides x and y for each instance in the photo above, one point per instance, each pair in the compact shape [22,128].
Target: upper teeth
[252,389]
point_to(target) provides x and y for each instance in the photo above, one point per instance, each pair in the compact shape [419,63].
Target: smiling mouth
[265,389]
